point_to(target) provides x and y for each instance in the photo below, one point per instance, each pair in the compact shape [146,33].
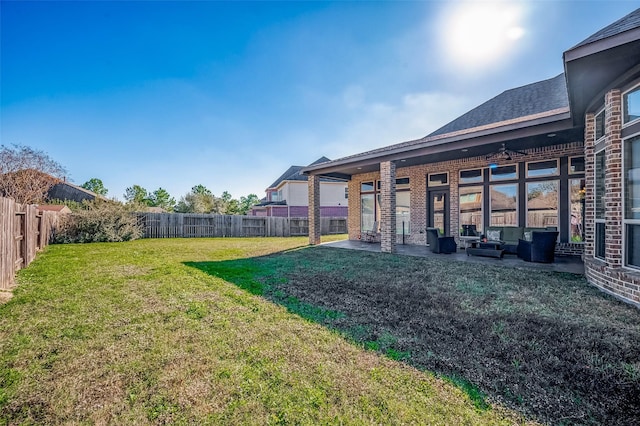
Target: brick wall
[388,207]
[418,180]
[609,273]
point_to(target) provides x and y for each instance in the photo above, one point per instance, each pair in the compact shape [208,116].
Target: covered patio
[569,264]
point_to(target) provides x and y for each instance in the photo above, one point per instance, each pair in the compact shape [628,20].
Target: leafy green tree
[199,200]
[95,185]
[247,202]
[161,198]
[137,195]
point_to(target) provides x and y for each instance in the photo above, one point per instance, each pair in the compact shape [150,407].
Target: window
[471,176]
[346,192]
[576,210]
[631,105]
[542,204]
[631,219]
[367,212]
[504,205]
[471,206]
[403,212]
[576,165]
[600,125]
[402,183]
[599,195]
[438,179]
[504,172]
[542,168]
[366,186]
[370,202]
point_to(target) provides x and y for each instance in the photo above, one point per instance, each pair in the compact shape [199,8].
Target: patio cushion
[493,234]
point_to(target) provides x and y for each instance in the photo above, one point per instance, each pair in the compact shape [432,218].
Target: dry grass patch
[129,333]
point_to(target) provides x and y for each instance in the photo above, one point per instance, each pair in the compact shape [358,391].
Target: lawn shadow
[546,344]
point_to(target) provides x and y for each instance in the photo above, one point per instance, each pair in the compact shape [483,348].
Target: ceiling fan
[504,153]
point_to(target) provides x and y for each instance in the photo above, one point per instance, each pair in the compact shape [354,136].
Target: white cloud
[378,124]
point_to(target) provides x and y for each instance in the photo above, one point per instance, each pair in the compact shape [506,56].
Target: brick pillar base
[314,209]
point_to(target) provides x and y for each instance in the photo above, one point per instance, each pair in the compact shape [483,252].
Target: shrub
[99,221]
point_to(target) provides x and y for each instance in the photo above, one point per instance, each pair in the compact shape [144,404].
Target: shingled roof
[293,173]
[626,23]
[535,98]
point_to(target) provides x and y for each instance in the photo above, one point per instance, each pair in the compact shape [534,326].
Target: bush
[99,221]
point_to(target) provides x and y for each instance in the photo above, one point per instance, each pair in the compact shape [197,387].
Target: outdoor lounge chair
[541,248]
[370,236]
[439,243]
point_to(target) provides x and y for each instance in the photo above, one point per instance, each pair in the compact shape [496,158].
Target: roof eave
[601,45]
[406,151]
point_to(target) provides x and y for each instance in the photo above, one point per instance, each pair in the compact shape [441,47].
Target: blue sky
[230,94]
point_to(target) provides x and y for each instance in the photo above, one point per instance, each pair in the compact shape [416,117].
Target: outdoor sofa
[511,236]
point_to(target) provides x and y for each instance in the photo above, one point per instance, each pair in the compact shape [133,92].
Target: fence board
[191,225]
[23,232]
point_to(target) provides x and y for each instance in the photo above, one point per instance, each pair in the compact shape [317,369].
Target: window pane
[439,212]
[600,239]
[471,206]
[542,204]
[633,245]
[402,183]
[503,172]
[599,190]
[576,208]
[576,165]
[632,178]
[367,216]
[438,179]
[471,176]
[542,168]
[403,212]
[600,125]
[631,102]
[366,186]
[504,205]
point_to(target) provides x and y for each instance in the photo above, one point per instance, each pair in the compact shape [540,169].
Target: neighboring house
[577,165]
[61,209]
[288,196]
[66,191]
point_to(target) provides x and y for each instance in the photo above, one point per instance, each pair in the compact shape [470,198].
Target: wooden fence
[186,225]
[23,231]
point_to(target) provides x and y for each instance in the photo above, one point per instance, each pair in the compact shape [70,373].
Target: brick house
[561,152]
[288,196]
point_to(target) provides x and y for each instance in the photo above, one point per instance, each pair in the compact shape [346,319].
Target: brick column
[388,206]
[613,178]
[314,209]
[589,174]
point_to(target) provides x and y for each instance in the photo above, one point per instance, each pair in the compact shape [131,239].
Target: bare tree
[27,174]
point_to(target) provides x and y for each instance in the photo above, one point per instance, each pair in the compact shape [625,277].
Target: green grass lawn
[134,333]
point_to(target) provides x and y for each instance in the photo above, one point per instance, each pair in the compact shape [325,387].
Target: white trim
[636,120]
